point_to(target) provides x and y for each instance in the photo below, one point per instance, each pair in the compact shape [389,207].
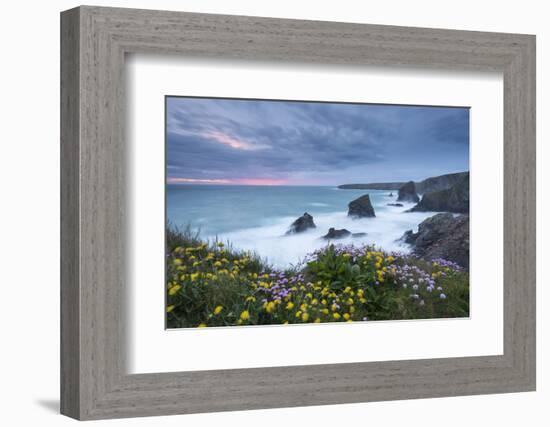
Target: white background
[29,224]
[152,348]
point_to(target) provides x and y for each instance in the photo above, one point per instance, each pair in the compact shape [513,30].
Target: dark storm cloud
[311,143]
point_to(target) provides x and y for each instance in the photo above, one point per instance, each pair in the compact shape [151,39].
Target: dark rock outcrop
[358,234]
[336,234]
[442,236]
[301,224]
[390,195]
[398,205]
[455,199]
[407,193]
[361,207]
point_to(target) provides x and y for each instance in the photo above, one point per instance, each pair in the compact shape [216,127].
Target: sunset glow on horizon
[238,181]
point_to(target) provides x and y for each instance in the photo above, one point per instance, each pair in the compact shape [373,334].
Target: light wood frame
[94,41]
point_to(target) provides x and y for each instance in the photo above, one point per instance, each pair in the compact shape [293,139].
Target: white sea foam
[271,243]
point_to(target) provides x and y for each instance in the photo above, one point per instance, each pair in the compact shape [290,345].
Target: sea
[256,218]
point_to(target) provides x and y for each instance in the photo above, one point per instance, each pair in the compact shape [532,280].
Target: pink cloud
[225,139]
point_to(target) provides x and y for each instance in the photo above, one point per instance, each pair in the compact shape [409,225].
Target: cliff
[436,183]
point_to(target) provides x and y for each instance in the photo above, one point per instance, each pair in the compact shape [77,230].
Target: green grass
[213,284]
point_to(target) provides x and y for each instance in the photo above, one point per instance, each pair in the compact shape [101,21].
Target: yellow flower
[303,307]
[217,264]
[334,307]
[174,289]
[194,276]
[178,261]
[363,300]
[336,316]
[324,302]
[245,315]
[318,320]
[360,293]
[169,308]
[220,244]
[349,301]
[202,325]
[298,314]
[390,259]
[324,311]
[196,263]
[290,305]
[251,298]
[270,307]
[305,317]
[218,309]
[346,316]
[314,301]
[285,322]
[352,309]
[348,289]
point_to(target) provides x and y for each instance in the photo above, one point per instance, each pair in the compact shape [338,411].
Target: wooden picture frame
[94,41]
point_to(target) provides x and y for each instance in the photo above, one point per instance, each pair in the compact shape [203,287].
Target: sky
[251,142]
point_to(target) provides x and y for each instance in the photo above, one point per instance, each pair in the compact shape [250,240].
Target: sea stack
[361,207]
[301,224]
[336,234]
[407,193]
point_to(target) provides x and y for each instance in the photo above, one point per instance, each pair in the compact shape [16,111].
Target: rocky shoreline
[444,235]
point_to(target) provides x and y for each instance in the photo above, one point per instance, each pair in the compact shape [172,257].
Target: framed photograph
[304,212]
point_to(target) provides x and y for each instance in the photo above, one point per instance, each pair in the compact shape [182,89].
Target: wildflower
[178,261]
[314,301]
[318,320]
[269,307]
[305,317]
[245,315]
[442,296]
[298,314]
[349,301]
[336,316]
[202,325]
[169,308]
[218,309]
[174,289]
[363,300]
[194,276]
[289,305]
[250,299]
[346,316]
[324,311]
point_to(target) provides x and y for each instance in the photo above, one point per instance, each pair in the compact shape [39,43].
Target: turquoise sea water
[257,217]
